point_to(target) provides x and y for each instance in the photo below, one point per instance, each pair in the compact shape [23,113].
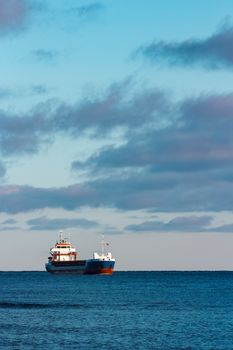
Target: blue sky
[116,117]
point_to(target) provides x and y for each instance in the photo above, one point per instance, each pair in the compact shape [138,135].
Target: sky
[116,118]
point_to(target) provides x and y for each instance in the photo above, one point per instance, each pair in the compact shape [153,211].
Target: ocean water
[128,310]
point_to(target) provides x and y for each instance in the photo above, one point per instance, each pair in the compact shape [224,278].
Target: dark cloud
[15,199]
[166,192]
[14,14]
[214,52]
[88,11]
[178,224]
[198,140]
[23,134]
[2,169]
[187,165]
[9,228]
[118,107]
[224,229]
[101,115]
[48,56]
[9,222]
[181,224]
[43,223]
[176,157]
[9,225]
[39,90]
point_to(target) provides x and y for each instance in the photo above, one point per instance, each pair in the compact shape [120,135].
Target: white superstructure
[63,250]
[103,256]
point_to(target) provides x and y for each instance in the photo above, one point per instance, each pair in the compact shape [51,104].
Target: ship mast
[61,236]
[103,246]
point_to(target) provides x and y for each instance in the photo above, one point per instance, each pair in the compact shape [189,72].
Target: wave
[22,305]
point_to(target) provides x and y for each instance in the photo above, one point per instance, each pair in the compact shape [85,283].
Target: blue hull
[88,267]
[99,267]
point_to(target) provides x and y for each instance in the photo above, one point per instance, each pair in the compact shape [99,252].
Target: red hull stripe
[107,271]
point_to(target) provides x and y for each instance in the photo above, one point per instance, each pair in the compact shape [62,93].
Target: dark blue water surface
[128,310]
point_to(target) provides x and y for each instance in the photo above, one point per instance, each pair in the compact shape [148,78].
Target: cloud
[21,92]
[165,192]
[48,56]
[43,223]
[118,107]
[9,228]
[2,169]
[186,165]
[178,224]
[99,116]
[14,14]
[39,90]
[16,199]
[88,11]
[224,228]
[175,156]
[91,8]
[9,222]
[23,134]
[5,93]
[213,52]
[197,141]
[9,225]
[182,225]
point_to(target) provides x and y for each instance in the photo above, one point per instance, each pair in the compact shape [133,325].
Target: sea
[128,310]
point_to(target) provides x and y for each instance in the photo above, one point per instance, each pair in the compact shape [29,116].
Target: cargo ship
[64,259]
